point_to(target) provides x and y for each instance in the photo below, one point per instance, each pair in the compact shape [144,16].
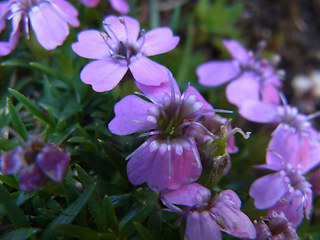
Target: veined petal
[258,111]
[217,72]
[201,226]
[245,88]
[50,29]
[120,6]
[152,164]
[157,41]
[237,51]
[66,11]
[269,189]
[132,115]
[188,195]
[90,45]
[104,74]
[126,34]
[147,72]
[192,92]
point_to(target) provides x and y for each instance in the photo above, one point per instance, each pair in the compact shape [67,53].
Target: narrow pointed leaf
[16,120]
[19,234]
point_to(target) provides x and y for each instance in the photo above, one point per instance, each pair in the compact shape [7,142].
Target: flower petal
[53,162]
[90,3]
[66,11]
[12,161]
[261,112]
[154,165]
[120,6]
[104,74]
[217,72]
[245,88]
[157,41]
[90,45]
[50,29]
[269,189]
[148,72]
[128,33]
[133,114]
[188,195]
[31,177]
[237,51]
[201,226]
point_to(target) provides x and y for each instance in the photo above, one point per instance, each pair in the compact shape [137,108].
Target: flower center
[291,116]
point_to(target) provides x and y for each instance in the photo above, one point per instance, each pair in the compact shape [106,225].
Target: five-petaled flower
[251,78]
[207,217]
[119,49]
[169,157]
[35,162]
[49,20]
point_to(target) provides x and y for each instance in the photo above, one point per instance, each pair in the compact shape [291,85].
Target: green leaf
[143,232]
[68,214]
[19,234]
[33,109]
[16,120]
[111,214]
[14,213]
[137,216]
[7,145]
[10,180]
[96,207]
[15,63]
[83,233]
[51,71]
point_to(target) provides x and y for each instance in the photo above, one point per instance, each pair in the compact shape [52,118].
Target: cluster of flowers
[186,139]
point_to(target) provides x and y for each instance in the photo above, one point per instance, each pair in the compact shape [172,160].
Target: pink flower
[36,162]
[294,138]
[206,217]
[169,157]
[48,18]
[275,226]
[250,77]
[120,6]
[119,49]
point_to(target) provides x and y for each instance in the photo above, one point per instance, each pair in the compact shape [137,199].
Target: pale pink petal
[191,91]
[188,195]
[229,195]
[245,88]
[90,45]
[156,93]
[157,41]
[3,14]
[128,33]
[120,6]
[261,112]
[236,50]
[217,72]
[269,189]
[133,114]
[270,93]
[148,72]
[90,3]
[66,11]
[104,74]
[201,226]
[152,164]
[50,29]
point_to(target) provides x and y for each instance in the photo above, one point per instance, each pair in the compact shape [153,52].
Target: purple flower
[119,49]
[120,6]
[49,20]
[169,157]
[275,226]
[36,162]
[206,217]
[251,78]
[295,138]
[285,191]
